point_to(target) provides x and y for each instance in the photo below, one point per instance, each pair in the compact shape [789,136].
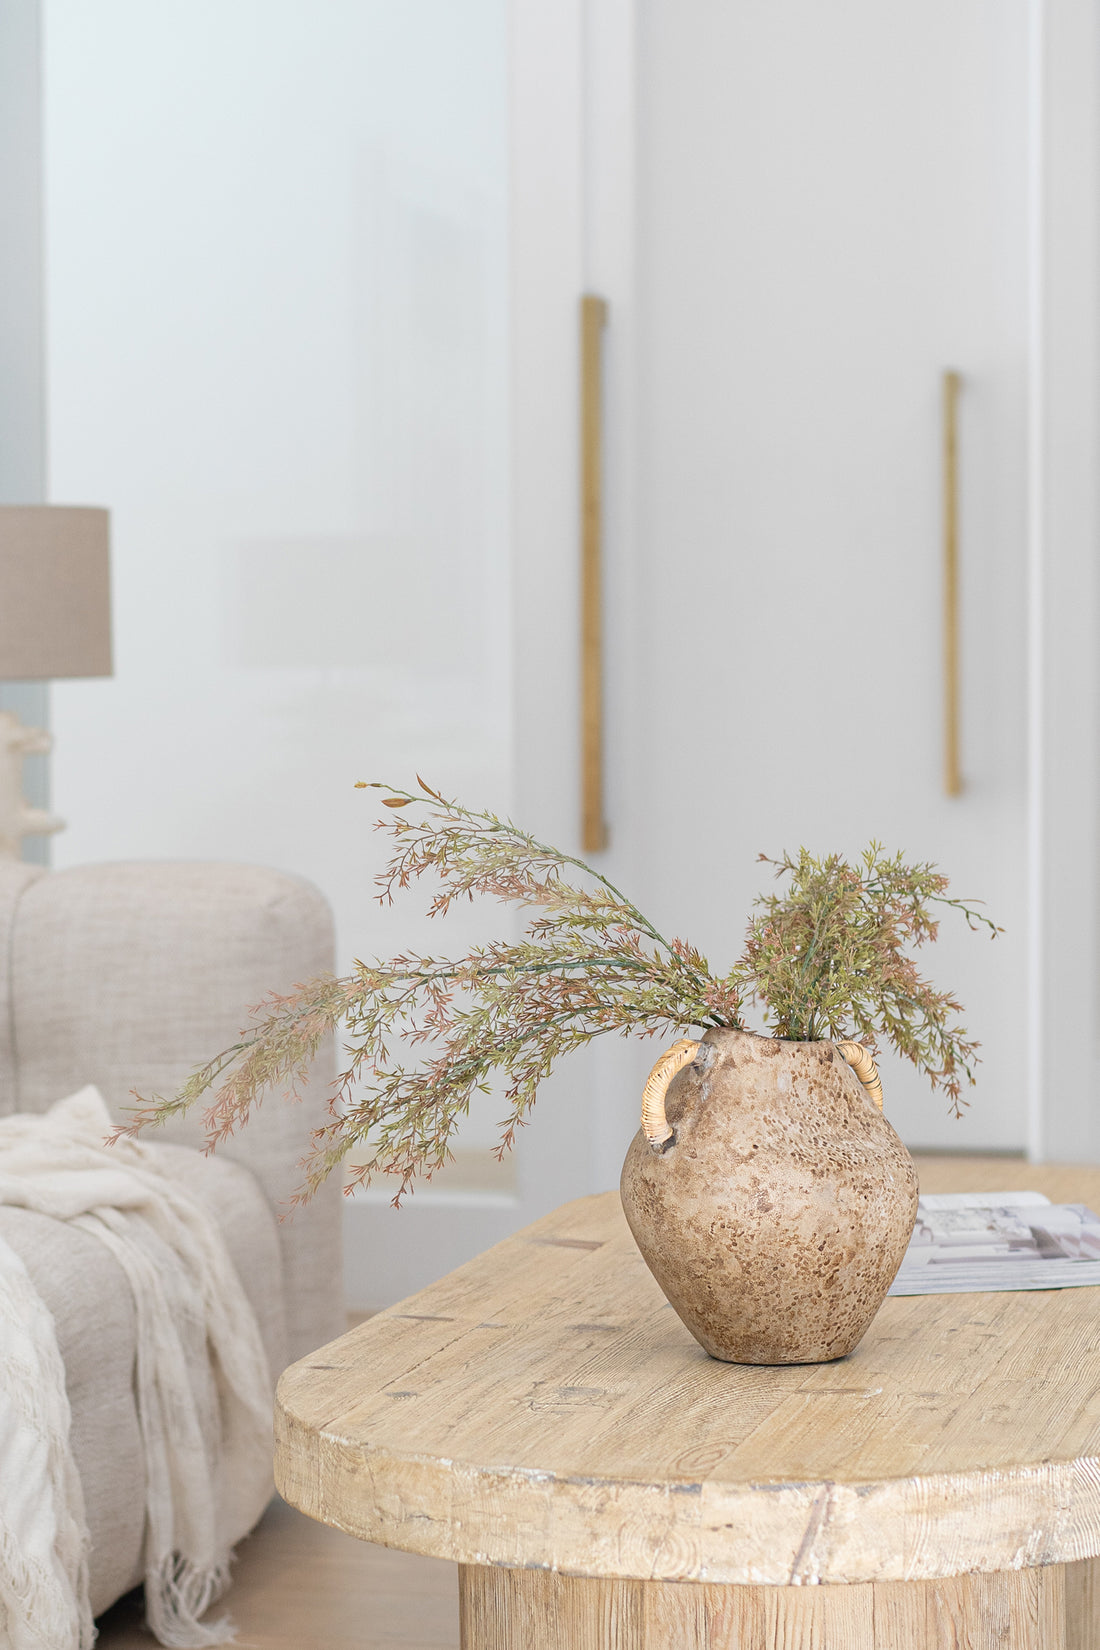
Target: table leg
[1010,1610]
[1083,1605]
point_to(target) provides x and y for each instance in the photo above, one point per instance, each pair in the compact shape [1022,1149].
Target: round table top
[544,1406]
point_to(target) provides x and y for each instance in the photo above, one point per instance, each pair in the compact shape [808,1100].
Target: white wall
[22,423]
[278,348]
[277,342]
[21,385]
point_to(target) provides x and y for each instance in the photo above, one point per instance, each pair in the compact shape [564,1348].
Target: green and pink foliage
[422,1035]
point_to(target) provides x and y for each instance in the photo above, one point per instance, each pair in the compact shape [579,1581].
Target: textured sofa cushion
[89,1297]
[127,976]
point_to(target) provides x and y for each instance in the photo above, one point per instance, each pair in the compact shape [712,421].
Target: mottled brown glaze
[778,1213]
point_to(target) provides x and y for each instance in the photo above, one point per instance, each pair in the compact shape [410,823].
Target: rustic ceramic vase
[777,1209]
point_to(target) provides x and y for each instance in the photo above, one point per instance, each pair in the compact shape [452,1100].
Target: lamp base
[17,818]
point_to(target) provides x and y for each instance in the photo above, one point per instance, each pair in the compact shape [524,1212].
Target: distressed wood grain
[505,1609]
[544,1406]
[1082,1593]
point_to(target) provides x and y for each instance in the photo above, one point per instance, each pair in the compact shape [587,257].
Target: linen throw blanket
[202,1387]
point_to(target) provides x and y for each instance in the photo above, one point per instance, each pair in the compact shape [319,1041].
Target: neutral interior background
[293,291]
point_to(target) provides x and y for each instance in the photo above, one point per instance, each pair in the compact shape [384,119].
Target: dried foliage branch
[825,957]
[588,963]
[828,957]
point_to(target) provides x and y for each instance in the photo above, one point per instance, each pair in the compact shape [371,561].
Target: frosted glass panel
[276,321]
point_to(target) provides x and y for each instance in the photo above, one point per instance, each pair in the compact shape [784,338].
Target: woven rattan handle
[865,1069]
[655,1125]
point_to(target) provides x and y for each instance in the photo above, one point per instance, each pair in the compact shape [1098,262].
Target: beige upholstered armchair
[126,976]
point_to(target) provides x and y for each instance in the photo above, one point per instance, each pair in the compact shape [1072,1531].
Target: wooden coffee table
[542,1417]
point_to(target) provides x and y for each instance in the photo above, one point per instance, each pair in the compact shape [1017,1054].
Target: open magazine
[967,1242]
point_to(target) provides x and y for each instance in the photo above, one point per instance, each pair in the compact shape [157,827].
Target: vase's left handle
[655,1125]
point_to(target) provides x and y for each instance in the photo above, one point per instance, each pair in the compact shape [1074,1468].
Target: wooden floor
[301,1586]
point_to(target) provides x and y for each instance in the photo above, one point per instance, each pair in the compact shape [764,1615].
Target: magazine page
[967,1242]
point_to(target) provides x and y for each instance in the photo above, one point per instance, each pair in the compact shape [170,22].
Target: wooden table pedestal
[1054,1608]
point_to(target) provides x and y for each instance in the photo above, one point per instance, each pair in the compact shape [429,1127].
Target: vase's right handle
[859,1058]
[655,1125]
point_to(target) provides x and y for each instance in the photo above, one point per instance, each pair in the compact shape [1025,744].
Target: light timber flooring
[298,1585]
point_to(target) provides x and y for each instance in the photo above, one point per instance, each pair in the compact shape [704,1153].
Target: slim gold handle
[593,321]
[952,776]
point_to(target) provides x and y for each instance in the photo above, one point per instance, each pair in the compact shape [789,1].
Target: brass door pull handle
[952,775]
[593,319]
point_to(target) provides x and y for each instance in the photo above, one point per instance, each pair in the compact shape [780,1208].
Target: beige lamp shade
[55,596]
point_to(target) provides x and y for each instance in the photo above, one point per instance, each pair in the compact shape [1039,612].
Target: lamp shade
[55,597]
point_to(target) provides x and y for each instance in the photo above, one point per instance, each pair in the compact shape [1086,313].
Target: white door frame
[1064,632]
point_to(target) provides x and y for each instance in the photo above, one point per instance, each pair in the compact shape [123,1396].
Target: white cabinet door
[832,210]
